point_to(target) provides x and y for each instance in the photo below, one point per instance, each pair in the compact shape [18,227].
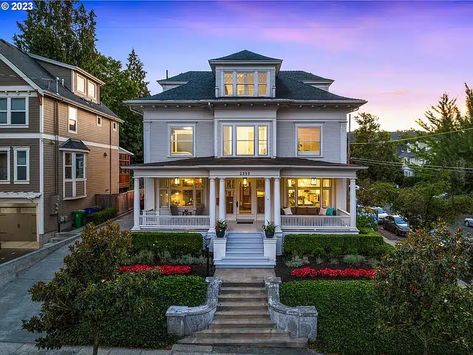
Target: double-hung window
[309,141]
[245,140]
[21,162]
[4,165]
[74,175]
[14,111]
[181,140]
[245,83]
[72,120]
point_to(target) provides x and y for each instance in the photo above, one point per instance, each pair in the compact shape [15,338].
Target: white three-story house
[248,143]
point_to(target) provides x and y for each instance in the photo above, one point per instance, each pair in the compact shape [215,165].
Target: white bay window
[74,175]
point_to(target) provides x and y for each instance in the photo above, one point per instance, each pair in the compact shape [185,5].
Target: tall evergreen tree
[60,30]
[375,151]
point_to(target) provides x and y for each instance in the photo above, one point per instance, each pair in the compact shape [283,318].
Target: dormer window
[245,83]
[91,89]
[81,84]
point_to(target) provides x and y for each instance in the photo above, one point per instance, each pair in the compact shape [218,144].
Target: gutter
[245,101]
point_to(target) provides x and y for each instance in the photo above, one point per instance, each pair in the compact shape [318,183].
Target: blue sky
[400,56]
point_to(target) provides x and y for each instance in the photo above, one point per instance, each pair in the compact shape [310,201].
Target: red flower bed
[348,273]
[163,269]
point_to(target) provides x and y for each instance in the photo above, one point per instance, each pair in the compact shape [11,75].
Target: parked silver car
[469,222]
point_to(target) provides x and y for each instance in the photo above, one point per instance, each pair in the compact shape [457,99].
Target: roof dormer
[245,74]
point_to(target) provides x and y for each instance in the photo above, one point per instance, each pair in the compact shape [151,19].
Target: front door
[245,197]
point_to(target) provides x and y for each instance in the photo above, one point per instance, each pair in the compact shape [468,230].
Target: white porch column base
[136,204]
[220,247]
[267,200]
[212,206]
[221,199]
[353,203]
[277,204]
[270,248]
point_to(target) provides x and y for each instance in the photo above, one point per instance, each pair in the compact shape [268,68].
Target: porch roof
[229,162]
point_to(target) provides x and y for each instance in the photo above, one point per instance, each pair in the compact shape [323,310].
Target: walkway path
[15,300]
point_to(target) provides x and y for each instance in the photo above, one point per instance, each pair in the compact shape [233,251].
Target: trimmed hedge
[176,244]
[347,321]
[103,216]
[334,245]
[140,318]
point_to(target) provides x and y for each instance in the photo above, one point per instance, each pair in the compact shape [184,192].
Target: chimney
[167,74]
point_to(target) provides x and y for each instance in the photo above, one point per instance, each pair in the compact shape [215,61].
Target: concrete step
[276,341]
[236,332]
[262,322]
[257,247]
[242,297]
[242,291]
[242,314]
[245,285]
[242,306]
[244,264]
[245,254]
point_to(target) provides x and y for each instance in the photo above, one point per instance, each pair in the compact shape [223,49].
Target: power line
[426,166]
[414,138]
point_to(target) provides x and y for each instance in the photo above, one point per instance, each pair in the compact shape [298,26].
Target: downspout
[110,162]
[56,165]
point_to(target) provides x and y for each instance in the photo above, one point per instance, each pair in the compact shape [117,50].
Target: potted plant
[220,228]
[269,229]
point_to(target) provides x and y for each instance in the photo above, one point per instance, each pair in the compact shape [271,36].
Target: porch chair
[199,211]
[174,210]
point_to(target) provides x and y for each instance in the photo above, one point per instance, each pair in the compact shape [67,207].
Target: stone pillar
[221,199]
[267,200]
[277,204]
[136,204]
[353,203]
[212,205]
[149,194]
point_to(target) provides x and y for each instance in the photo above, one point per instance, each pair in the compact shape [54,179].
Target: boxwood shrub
[347,317]
[333,245]
[176,244]
[102,216]
[139,320]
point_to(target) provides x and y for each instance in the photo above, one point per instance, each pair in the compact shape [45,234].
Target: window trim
[114,126]
[74,119]
[9,112]
[296,139]
[255,72]
[99,121]
[73,179]
[255,139]
[180,125]
[6,149]
[15,165]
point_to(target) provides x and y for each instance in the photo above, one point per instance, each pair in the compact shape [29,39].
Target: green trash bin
[78,218]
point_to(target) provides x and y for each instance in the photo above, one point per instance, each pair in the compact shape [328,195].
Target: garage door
[18,224]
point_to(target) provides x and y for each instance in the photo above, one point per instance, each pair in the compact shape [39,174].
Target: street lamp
[207,241]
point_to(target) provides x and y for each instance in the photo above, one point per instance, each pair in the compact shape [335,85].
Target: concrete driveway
[15,300]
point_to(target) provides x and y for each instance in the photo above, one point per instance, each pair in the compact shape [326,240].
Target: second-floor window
[74,175]
[245,83]
[182,140]
[245,140]
[14,111]
[72,120]
[4,164]
[21,160]
[309,140]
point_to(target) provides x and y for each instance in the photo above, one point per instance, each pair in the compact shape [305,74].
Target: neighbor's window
[74,174]
[227,140]
[308,141]
[245,140]
[182,141]
[72,120]
[99,121]
[80,84]
[13,111]
[5,164]
[21,165]
[114,126]
[91,89]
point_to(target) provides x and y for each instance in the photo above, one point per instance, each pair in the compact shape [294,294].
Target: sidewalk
[15,300]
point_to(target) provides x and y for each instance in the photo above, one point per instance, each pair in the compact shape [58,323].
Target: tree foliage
[418,290]
[375,149]
[377,193]
[60,30]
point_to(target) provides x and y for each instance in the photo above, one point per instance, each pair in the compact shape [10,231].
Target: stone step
[243,291]
[240,264]
[237,332]
[242,306]
[244,285]
[239,252]
[239,297]
[242,314]
[263,322]
[276,341]
[245,255]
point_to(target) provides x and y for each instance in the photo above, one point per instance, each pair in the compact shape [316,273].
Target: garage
[18,223]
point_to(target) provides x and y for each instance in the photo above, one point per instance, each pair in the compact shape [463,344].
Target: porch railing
[175,222]
[342,219]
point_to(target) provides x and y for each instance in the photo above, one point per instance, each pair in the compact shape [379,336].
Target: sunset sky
[400,56]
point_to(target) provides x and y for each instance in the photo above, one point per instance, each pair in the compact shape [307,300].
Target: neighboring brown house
[58,145]
[125,160]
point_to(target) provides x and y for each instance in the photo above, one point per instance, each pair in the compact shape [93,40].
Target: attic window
[245,83]
[80,84]
[91,89]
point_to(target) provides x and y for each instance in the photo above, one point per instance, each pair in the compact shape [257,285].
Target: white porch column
[267,200]
[212,205]
[353,203]
[221,199]
[277,204]
[136,204]
[156,195]
[149,194]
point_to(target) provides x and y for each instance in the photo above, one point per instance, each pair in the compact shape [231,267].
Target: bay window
[245,83]
[21,162]
[239,140]
[182,140]
[5,165]
[308,140]
[14,111]
[74,164]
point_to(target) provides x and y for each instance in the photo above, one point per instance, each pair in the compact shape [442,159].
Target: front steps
[244,250]
[242,319]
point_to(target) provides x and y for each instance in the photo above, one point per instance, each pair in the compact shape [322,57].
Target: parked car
[469,222]
[397,225]
[381,213]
